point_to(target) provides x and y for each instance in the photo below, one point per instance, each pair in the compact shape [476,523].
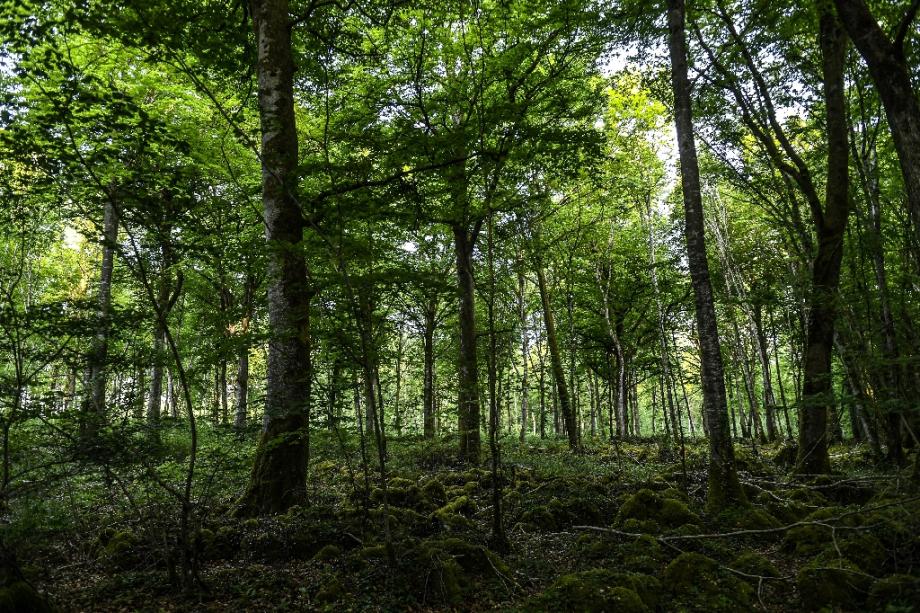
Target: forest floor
[618,528]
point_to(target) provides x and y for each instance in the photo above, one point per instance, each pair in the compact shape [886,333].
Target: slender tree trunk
[525,348]
[817,389]
[94,409]
[556,362]
[428,383]
[779,378]
[769,399]
[241,389]
[279,473]
[724,487]
[468,390]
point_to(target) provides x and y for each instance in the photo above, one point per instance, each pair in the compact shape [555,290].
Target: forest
[468,305]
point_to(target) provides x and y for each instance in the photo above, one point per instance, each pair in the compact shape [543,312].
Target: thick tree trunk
[94,409]
[724,487]
[817,389]
[279,472]
[468,390]
[892,77]
[556,362]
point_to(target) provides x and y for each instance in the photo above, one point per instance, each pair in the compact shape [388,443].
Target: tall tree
[724,487]
[279,472]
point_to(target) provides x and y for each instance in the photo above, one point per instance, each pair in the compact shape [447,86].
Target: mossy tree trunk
[279,473]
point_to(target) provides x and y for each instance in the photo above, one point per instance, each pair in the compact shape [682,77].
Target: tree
[724,487]
[279,471]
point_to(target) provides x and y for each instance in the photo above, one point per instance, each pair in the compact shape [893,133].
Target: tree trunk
[94,409]
[428,384]
[817,389]
[724,487]
[769,399]
[556,362]
[241,389]
[892,77]
[279,472]
[468,390]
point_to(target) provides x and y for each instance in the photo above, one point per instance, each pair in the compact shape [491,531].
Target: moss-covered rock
[753,518]
[598,590]
[328,553]
[120,549]
[434,492]
[698,581]
[456,513]
[643,555]
[754,563]
[329,593]
[841,584]
[648,505]
[895,593]
[445,568]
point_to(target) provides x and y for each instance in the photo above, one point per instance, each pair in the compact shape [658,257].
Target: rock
[842,584]
[648,505]
[598,590]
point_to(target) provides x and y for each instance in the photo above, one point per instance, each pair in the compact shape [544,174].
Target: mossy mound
[599,590]
[445,569]
[435,492]
[697,581]
[895,593]
[643,555]
[332,591]
[328,553]
[842,584]
[648,505]
[753,563]
[118,548]
[563,513]
[811,539]
[456,513]
[750,518]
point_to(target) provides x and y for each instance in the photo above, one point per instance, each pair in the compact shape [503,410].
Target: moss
[863,548]
[455,513]
[20,596]
[643,526]
[675,513]
[642,555]
[372,551]
[399,482]
[648,505]
[598,590]
[434,491]
[251,524]
[842,584]
[689,570]
[444,568]
[895,593]
[754,519]
[327,553]
[539,517]
[754,563]
[697,582]
[329,593]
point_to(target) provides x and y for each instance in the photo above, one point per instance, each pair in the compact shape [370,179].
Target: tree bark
[94,409]
[428,383]
[817,389]
[892,77]
[468,391]
[279,473]
[724,487]
[556,362]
